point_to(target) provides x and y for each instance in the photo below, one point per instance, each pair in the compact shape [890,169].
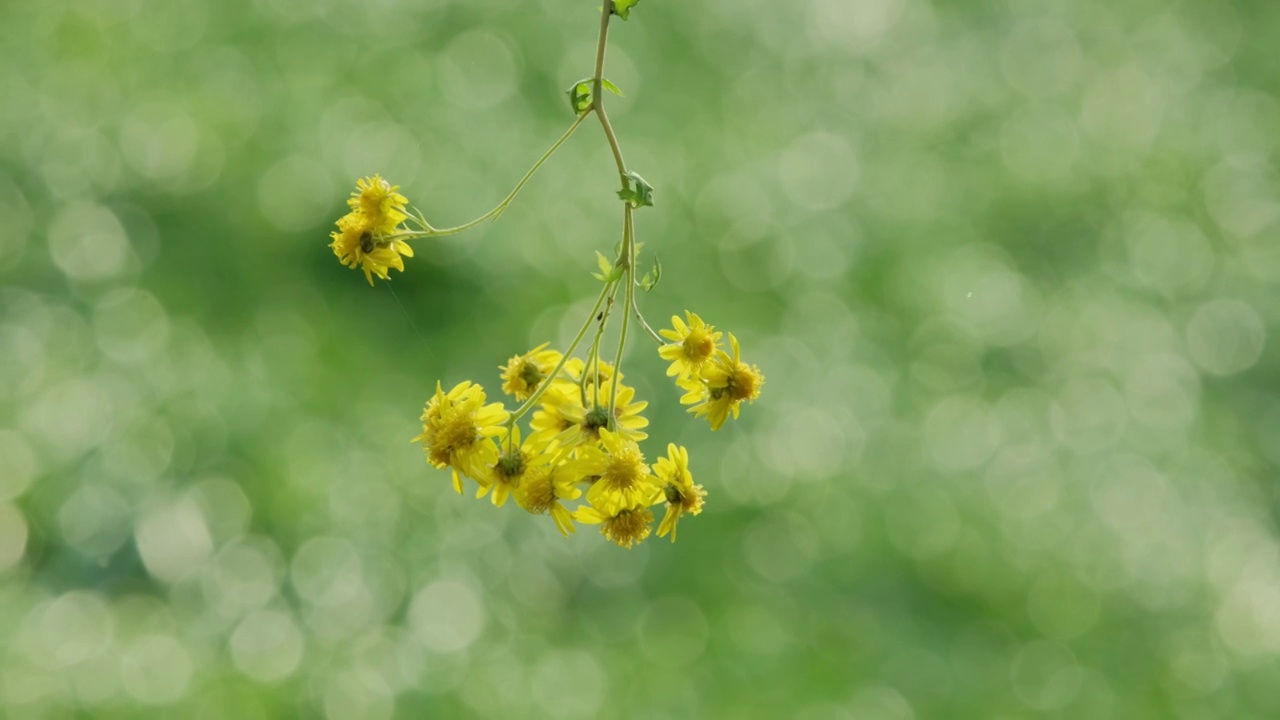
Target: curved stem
[629,248]
[652,333]
[506,201]
[546,382]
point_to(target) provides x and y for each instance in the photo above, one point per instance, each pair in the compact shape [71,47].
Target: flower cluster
[577,448]
[366,237]
[715,382]
[578,460]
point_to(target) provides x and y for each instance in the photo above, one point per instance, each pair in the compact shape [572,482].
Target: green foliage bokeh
[1010,269]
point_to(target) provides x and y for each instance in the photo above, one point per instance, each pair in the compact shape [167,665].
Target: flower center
[530,374]
[698,346]
[510,467]
[624,468]
[628,527]
[673,494]
[743,383]
[595,419]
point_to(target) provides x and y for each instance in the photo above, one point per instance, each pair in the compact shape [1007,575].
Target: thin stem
[652,333]
[628,247]
[597,94]
[592,367]
[546,382]
[501,206]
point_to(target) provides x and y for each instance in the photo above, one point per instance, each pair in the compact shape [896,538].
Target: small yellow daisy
[557,406]
[458,430]
[379,202]
[585,424]
[624,526]
[691,347]
[357,246]
[523,373]
[512,466]
[726,382]
[544,487]
[623,480]
[677,487]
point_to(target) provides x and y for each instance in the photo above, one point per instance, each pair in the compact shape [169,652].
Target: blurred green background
[1010,268]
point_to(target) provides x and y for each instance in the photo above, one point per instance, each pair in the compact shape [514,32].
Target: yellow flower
[512,466]
[624,526]
[523,373]
[725,383]
[550,419]
[357,245]
[624,480]
[381,205]
[692,345]
[584,425]
[678,488]
[542,489]
[457,432]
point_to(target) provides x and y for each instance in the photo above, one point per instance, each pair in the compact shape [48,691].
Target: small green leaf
[639,196]
[605,266]
[580,96]
[610,87]
[622,8]
[651,278]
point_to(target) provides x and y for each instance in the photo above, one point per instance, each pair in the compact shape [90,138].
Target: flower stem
[546,382]
[652,333]
[501,206]
[591,370]
[597,94]
[629,249]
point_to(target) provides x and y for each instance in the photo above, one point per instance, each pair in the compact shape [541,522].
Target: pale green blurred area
[1010,269]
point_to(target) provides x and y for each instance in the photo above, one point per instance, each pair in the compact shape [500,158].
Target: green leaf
[611,87]
[651,278]
[608,270]
[639,196]
[622,8]
[580,96]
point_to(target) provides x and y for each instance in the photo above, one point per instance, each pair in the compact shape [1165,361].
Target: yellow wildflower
[356,245]
[381,205]
[692,345]
[678,488]
[512,465]
[725,383]
[523,373]
[585,424]
[623,480]
[551,418]
[624,526]
[457,432]
[544,487]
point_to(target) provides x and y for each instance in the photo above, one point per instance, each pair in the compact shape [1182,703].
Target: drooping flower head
[544,488]
[623,480]
[585,424]
[523,373]
[692,345]
[626,526]
[458,430]
[681,494]
[381,205]
[515,462]
[357,246]
[724,385]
